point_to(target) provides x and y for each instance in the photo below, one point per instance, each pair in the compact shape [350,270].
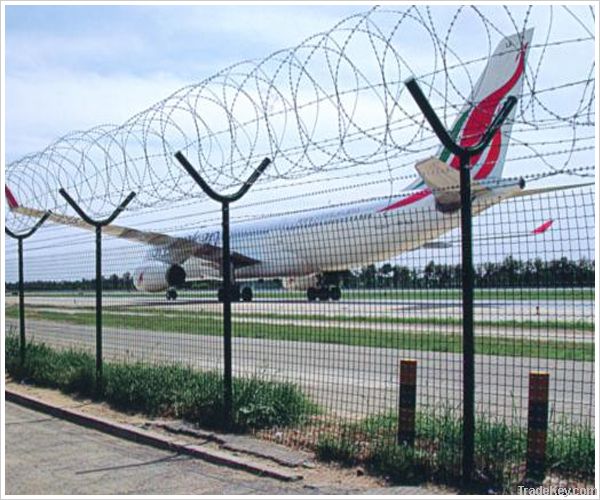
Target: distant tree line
[112,282]
[510,272]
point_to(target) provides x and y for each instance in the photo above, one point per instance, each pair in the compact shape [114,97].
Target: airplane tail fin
[502,77]
[10,199]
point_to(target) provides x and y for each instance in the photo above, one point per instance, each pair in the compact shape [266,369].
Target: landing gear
[246,294]
[324,293]
[335,293]
[237,294]
[171,294]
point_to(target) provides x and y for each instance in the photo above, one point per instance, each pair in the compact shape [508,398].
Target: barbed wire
[328,108]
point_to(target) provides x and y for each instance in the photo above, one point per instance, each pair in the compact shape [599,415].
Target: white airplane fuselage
[332,239]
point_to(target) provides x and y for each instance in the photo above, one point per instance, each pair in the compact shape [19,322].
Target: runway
[347,381]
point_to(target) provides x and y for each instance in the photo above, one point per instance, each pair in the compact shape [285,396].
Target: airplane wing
[177,249]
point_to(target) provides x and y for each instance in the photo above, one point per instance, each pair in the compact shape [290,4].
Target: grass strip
[162,390]
[539,324]
[500,449]
[408,340]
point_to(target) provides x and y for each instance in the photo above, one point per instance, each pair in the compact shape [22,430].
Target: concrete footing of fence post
[407,402]
[537,424]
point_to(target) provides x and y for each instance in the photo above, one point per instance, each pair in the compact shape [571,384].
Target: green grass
[500,449]
[181,392]
[437,342]
[162,390]
[540,324]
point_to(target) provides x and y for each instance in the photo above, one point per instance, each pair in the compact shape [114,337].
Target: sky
[75,67]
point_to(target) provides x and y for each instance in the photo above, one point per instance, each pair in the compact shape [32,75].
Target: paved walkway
[49,456]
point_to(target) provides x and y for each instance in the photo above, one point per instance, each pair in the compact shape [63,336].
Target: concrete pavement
[49,456]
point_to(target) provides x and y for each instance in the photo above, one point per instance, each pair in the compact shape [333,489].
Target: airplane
[311,251]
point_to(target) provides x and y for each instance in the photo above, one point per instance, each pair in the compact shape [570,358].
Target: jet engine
[157,276]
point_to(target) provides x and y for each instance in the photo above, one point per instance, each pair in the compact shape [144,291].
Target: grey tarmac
[348,381]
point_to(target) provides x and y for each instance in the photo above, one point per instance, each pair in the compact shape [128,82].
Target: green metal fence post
[226,270]
[20,238]
[464,154]
[98,224]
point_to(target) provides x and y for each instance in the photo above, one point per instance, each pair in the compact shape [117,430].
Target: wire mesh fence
[343,297]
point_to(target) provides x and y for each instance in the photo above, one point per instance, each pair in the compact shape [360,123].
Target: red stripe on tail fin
[12,201]
[543,228]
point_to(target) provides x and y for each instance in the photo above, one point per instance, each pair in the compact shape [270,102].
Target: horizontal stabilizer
[444,182]
[550,189]
[437,244]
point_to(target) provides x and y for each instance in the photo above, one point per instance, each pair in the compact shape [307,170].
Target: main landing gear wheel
[324,293]
[171,294]
[244,294]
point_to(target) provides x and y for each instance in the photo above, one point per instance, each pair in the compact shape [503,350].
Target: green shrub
[342,448]
[500,449]
[401,464]
[261,404]
[571,449]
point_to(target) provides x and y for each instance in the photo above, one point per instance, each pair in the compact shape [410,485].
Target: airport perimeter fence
[534,312]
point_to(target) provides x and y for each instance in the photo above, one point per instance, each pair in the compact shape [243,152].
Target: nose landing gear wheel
[247,294]
[171,294]
[311,294]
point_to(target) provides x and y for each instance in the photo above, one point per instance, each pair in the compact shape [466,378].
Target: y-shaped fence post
[20,238]
[464,154]
[225,200]
[98,224]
